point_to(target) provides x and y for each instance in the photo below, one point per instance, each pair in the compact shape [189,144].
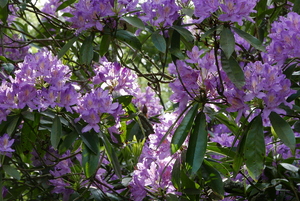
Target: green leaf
[213,179]
[112,156]
[2,58]
[91,140]
[3,3]
[66,47]
[184,33]
[90,160]
[210,31]
[13,125]
[175,45]
[296,7]
[255,151]
[67,142]
[128,38]
[177,53]
[183,129]
[159,41]
[250,39]
[220,167]
[104,45]
[124,100]
[176,174]
[230,123]
[56,132]
[239,157]
[8,67]
[233,71]
[171,197]
[12,171]
[289,167]
[283,130]
[4,13]
[197,144]
[227,42]
[135,21]
[86,50]
[65,4]
[216,148]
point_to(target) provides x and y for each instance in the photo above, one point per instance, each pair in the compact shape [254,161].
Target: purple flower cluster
[13,48]
[237,10]
[205,8]
[153,172]
[232,10]
[160,13]
[41,81]
[93,105]
[265,89]
[114,77]
[285,35]
[51,6]
[123,81]
[12,14]
[93,14]
[199,82]
[5,146]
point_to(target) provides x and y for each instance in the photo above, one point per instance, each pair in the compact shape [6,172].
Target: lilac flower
[40,81]
[93,14]
[13,47]
[61,187]
[285,37]
[193,83]
[92,105]
[5,145]
[237,10]
[153,172]
[266,88]
[149,101]
[161,13]
[205,8]
[120,80]
[51,6]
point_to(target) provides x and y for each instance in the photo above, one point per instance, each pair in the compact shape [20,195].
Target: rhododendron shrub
[149,100]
